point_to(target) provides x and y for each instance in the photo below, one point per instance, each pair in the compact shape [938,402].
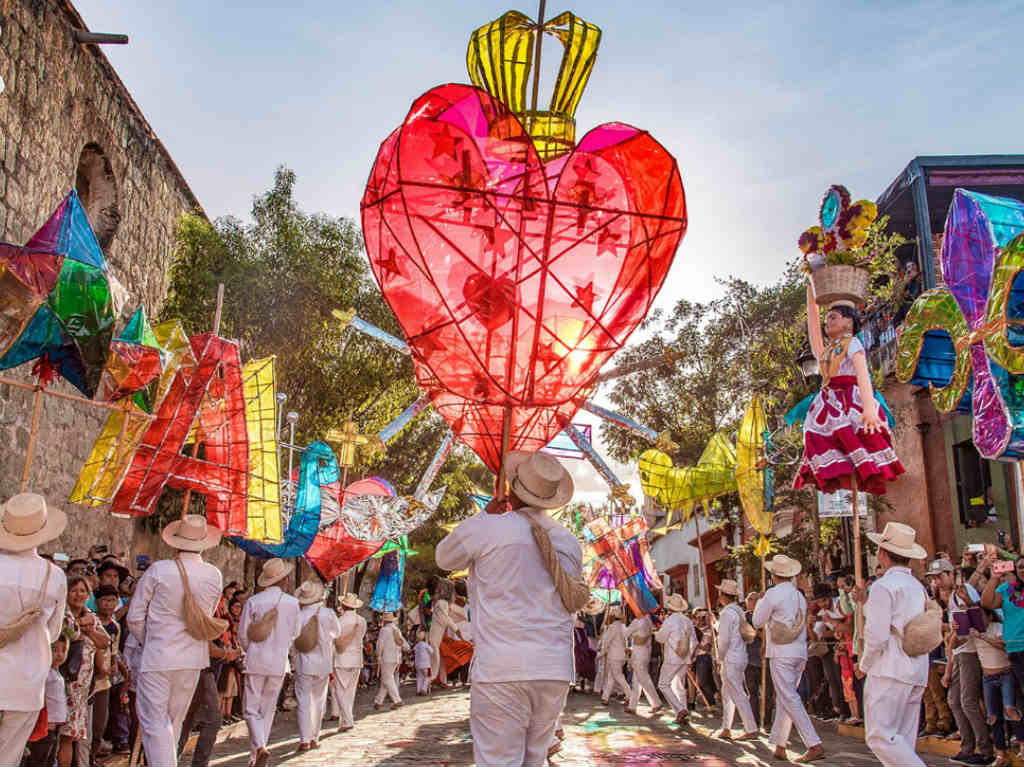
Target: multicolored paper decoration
[619,558]
[515,268]
[379,518]
[387,593]
[134,364]
[58,300]
[334,550]
[963,341]
[318,482]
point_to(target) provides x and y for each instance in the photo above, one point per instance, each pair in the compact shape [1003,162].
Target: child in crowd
[998,683]
[44,750]
[423,655]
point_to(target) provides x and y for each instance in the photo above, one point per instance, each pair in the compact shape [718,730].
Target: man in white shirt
[27,581]
[679,641]
[523,661]
[266,661]
[441,622]
[390,644]
[784,604]
[348,659]
[640,632]
[732,657]
[313,667]
[895,681]
[172,659]
[613,635]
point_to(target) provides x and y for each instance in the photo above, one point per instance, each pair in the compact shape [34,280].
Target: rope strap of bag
[573,592]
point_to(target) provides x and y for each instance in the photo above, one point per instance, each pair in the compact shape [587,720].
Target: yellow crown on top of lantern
[500,60]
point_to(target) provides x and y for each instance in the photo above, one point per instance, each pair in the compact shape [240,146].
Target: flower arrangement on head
[846,438]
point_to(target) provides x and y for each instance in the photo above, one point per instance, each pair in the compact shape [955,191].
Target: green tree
[284,272]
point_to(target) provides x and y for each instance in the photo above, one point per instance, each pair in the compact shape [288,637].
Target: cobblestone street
[435,731]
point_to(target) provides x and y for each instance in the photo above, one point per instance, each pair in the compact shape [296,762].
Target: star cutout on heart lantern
[517,260]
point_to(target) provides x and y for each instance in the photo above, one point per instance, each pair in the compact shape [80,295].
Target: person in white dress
[732,659]
[441,621]
[348,659]
[614,642]
[785,608]
[522,629]
[390,644]
[27,581]
[895,681]
[679,641]
[313,667]
[172,658]
[640,633]
[266,660]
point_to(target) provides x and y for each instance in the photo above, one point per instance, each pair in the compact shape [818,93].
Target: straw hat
[273,571]
[783,566]
[594,606]
[729,587]
[538,479]
[388,618]
[675,603]
[191,533]
[899,539]
[310,592]
[351,602]
[939,566]
[25,522]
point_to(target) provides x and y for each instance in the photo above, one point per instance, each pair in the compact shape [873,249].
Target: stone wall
[67,121]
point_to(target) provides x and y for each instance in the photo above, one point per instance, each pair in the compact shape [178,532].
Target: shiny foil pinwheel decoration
[964,341]
[516,260]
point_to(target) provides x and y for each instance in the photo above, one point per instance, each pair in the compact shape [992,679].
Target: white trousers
[599,674]
[789,709]
[512,723]
[259,706]
[641,665]
[891,713]
[387,684]
[613,677]
[422,679]
[162,699]
[343,690]
[670,672]
[15,727]
[735,697]
[311,694]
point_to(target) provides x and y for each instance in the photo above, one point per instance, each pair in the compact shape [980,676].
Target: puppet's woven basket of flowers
[834,251]
[842,282]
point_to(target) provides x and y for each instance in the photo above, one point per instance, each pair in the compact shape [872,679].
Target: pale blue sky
[763,104]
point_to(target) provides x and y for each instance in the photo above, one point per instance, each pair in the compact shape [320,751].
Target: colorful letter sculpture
[58,300]
[964,341]
[516,276]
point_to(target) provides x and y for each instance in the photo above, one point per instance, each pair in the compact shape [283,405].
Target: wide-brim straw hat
[899,539]
[310,592]
[675,603]
[115,563]
[729,587]
[594,606]
[26,522]
[273,571]
[783,566]
[351,602]
[191,533]
[388,618]
[539,479]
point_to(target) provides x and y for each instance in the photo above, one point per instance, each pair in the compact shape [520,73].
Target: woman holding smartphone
[1010,597]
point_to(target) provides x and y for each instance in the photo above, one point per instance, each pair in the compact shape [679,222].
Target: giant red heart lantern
[515,280]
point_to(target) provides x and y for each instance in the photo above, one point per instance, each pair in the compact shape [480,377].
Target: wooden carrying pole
[858,573]
[764,651]
[37,406]
[195,445]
